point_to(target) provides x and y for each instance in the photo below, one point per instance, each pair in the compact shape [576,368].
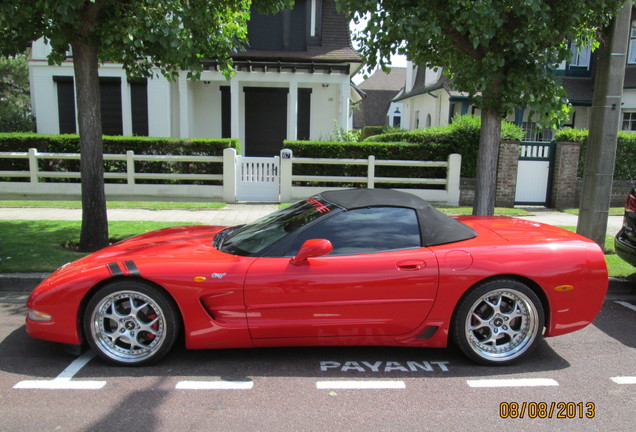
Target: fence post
[452,178]
[33,165]
[229,175]
[286,163]
[371,173]
[130,167]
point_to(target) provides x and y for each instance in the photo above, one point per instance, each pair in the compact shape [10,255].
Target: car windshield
[256,236]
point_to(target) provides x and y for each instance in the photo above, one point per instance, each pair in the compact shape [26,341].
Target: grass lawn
[613,211]
[38,246]
[151,205]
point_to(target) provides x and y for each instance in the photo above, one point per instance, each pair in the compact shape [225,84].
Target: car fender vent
[428,332]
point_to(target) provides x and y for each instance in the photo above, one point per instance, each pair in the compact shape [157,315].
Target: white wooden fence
[38,187]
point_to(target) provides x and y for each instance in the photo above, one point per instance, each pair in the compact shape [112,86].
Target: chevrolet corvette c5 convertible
[348,267]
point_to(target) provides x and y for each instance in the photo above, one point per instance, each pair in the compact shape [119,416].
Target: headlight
[34,315]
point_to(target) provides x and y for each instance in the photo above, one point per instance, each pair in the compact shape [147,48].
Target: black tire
[498,322]
[131,323]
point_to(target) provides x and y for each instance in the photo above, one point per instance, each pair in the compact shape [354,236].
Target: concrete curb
[26,282]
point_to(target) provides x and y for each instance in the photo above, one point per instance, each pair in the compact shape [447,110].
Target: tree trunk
[487,157]
[94,234]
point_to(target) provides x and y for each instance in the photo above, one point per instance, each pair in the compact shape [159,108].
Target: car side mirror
[311,249]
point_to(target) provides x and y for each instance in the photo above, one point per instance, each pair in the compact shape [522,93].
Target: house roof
[420,87]
[380,80]
[336,43]
[380,89]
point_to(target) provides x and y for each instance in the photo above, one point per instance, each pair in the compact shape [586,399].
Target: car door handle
[411,265]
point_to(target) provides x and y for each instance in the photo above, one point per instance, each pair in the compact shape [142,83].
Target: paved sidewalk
[233,214]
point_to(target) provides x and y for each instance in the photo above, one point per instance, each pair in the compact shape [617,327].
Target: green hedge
[625,168]
[461,136]
[21,142]
[356,150]
[434,144]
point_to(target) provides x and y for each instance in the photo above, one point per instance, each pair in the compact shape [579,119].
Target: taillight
[630,203]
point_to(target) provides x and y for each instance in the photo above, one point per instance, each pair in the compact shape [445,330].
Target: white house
[293,83]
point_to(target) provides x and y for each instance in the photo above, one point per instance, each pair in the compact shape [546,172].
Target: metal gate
[257,178]
[534,173]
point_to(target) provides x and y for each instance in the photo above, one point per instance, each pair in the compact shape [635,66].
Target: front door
[378,294]
[265,120]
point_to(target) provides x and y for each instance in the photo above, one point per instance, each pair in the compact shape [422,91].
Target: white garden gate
[534,173]
[257,179]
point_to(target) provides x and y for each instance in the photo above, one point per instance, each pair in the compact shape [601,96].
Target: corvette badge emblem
[218,275]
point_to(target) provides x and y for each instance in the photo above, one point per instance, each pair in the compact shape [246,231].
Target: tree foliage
[15,101]
[145,36]
[501,52]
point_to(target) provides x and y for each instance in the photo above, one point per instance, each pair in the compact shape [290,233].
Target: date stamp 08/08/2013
[547,410]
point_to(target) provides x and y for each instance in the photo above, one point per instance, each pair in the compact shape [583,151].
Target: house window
[65,104]
[110,104]
[429,121]
[629,121]
[284,31]
[417,119]
[632,44]
[580,56]
[534,134]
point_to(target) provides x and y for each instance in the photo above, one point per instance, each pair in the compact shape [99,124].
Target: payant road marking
[627,305]
[359,385]
[64,380]
[214,385]
[514,382]
[624,379]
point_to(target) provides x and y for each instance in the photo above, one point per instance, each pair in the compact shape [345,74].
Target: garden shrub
[22,142]
[625,166]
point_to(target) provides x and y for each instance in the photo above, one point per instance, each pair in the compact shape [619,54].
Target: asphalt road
[588,377]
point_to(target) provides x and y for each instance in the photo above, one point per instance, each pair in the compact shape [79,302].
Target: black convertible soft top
[436,227]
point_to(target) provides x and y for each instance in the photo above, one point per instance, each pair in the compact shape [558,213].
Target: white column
[159,108]
[126,106]
[286,161]
[343,121]
[292,111]
[234,108]
[184,106]
[229,175]
[453,178]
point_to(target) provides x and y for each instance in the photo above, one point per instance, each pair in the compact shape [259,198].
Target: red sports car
[351,267]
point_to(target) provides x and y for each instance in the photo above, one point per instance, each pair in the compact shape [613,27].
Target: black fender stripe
[114,269]
[132,268]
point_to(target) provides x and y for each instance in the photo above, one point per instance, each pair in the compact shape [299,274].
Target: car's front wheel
[499,322]
[130,323]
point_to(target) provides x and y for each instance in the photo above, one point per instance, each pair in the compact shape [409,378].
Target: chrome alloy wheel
[502,325]
[128,326]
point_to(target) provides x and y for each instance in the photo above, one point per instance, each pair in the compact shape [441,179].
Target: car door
[378,280]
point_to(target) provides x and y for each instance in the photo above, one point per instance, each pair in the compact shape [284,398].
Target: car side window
[366,230]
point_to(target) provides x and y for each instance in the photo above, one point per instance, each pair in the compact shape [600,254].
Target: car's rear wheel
[130,323]
[498,322]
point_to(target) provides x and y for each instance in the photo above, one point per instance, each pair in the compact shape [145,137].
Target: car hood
[167,243]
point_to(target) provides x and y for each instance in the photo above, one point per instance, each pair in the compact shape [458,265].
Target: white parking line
[627,305]
[63,380]
[214,385]
[359,385]
[624,380]
[514,382]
